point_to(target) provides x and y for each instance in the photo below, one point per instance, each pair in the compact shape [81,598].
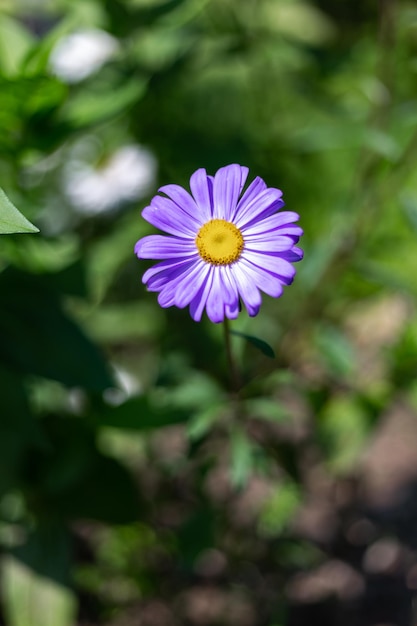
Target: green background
[134,491]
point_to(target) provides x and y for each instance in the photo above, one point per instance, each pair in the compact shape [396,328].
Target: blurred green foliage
[134,488]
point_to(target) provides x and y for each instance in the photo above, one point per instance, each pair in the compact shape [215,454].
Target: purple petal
[270,263]
[169,288]
[228,183]
[160,247]
[183,278]
[283,219]
[216,298]
[247,289]
[166,296]
[267,282]
[184,200]
[198,303]
[294,255]
[293,231]
[157,282]
[268,244]
[164,265]
[168,216]
[202,189]
[223,298]
[255,188]
[267,202]
[229,287]
[232,310]
[189,284]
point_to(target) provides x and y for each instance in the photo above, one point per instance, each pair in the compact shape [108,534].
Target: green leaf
[141,413]
[279,510]
[105,493]
[38,337]
[258,343]
[335,349]
[71,280]
[403,357]
[408,204]
[46,550]
[196,535]
[18,428]
[90,108]
[241,461]
[15,42]
[36,579]
[32,599]
[267,409]
[74,480]
[203,421]
[11,220]
[342,428]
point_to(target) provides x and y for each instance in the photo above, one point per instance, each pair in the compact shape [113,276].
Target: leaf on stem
[11,220]
[261,345]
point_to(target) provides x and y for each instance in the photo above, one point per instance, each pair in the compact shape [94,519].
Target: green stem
[233,370]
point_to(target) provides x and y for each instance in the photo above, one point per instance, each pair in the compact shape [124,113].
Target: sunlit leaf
[11,220]
[203,421]
[258,343]
[241,458]
[335,349]
[92,107]
[268,409]
[36,580]
[342,430]
[279,509]
[32,599]
[15,42]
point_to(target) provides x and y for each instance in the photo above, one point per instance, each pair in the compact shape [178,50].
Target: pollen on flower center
[219,242]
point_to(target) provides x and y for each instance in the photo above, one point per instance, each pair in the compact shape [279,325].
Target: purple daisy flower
[223,248]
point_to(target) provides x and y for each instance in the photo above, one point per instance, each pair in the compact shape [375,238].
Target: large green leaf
[141,413]
[38,337]
[11,220]
[106,493]
[260,344]
[71,479]
[90,108]
[18,428]
[70,281]
[36,580]
[32,599]
[15,42]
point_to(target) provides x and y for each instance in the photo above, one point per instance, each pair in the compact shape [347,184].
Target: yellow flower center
[219,242]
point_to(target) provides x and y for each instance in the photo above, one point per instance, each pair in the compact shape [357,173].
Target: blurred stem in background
[234,374]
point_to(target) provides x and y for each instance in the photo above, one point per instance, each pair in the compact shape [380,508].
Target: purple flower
[223,247]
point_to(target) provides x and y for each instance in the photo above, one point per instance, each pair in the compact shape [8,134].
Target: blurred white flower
[128,174]
[82,53]
[128,386]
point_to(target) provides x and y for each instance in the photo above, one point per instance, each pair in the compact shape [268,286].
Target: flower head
[224,246]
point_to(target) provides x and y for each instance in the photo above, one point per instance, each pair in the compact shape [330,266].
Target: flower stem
[233,370]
